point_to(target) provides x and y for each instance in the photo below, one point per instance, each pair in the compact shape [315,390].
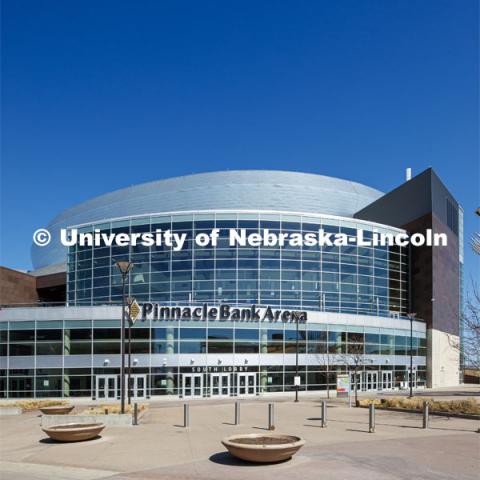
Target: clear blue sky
[99,95]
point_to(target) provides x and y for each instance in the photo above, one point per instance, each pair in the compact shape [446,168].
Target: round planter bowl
[263,447]
[74,432]
[57,410]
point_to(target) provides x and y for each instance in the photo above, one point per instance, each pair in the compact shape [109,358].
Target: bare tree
[323,359]
[355,359]
[470,341]
[469,344]
[475,243]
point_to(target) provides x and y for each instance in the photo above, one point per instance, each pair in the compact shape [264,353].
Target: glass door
[140,390]
[387,381]
[138,386]
[246,383]
[219,384]
[372,381]
[360,382]
[106,387]
[192,385]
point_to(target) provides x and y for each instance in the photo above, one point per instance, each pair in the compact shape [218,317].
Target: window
[452,216]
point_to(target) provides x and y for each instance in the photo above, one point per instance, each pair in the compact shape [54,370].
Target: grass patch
[110,409]
[468,406]
[28,405]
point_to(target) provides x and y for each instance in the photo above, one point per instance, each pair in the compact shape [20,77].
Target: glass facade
[329,349]
[346,279]
[202,358]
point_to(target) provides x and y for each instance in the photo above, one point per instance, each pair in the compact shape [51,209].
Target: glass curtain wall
[348,279]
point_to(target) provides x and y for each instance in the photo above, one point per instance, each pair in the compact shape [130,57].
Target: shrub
[466,406]
[28,405]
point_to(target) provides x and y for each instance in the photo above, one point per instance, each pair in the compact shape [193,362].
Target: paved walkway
[161,448]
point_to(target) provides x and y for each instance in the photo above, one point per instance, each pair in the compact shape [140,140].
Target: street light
[296,363]
[130,300]
[411,316]
[124,266]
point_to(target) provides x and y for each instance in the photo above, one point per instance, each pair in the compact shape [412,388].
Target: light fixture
[106,362]
[124,266]
[135,361]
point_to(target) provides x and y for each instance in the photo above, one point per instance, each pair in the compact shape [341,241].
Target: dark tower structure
[435,282]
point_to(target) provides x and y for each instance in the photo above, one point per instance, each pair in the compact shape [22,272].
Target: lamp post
[124,266]
[296,362]
[132,315]
[411,316]
[129,393]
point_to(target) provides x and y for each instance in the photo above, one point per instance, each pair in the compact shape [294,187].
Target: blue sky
[99,95]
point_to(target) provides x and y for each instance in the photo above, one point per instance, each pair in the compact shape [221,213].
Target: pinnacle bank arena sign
[223,312]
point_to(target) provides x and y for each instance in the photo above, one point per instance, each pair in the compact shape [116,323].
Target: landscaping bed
[467,408]
[29,405]
[112,409]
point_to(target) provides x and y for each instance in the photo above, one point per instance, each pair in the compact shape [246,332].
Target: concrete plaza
[159,447]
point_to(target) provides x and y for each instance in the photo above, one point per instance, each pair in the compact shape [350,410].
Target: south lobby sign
[223,312]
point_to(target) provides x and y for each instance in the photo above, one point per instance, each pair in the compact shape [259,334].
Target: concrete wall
[111,420]
[443,359]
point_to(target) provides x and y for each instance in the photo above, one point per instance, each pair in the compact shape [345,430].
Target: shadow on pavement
[225,458]
[50,441]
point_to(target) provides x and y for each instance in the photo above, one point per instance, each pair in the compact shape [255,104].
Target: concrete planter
[110,420]
[263,447]
[57,410]
[74,432]
[10,410]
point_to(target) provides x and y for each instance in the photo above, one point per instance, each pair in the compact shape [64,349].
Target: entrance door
[246,383]
[138,386]
[414,380]
[192,385]
[371,381]
[219,384]
[360,382]
[106,387]
[387,381]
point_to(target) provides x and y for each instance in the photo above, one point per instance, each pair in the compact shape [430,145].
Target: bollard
[271,420]
[186,415]
[237,413]
[425,414]
[371,418]
[135,414]
[324,414]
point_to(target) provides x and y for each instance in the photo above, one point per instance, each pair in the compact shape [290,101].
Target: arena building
[242,320]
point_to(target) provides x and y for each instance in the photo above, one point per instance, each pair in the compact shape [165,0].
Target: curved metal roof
[226,190]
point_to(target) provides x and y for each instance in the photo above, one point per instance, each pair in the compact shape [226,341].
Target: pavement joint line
[72,473]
